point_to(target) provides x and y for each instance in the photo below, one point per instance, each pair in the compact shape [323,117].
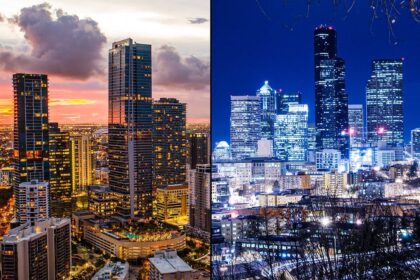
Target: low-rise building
[167,265]
[113,271]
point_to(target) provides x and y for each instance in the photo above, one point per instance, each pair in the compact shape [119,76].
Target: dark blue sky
[250,46]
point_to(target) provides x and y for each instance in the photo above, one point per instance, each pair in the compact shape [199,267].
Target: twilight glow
[70,41]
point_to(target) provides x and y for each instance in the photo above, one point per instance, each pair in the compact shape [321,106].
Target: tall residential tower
[130,128]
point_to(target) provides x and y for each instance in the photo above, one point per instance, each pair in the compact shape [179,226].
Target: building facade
[291,134]
[30,129]
[169,142]
[32,201]
[60,171]
[331,100]
[83,165]
[384,103]
[130,122]
[199,199]
[268,108]
[245,128]
[356,125]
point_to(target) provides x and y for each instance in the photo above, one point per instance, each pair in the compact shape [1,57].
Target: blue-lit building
[130,122]
[331,100]
[384,102]
[290,134]
[415,142]
[284,99]
[356,125]
[245,125]
[268,108]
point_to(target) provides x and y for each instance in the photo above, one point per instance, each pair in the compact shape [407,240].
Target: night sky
[273,40]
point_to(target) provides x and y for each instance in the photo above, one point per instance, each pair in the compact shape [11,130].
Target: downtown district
[338,199]
[127,201]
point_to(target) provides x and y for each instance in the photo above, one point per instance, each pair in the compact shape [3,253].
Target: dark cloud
[170,69]
[62,44]
[198,20]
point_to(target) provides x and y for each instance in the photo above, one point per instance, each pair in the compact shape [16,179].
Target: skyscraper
[169,142]
[130,128]
[291,134]
[199,200]
[41,251]
[245,128]
[284,99]
[356,124]
[60,171]
[198,149]
[30,129]
[82,162]
[268,108]
[32,201]
[384,102]
[331,101]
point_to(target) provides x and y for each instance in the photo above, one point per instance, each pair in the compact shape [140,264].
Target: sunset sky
[69,41]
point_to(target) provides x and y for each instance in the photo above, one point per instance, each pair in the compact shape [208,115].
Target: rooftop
[167,261]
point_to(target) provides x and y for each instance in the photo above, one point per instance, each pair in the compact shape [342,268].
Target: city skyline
[78,94]
[285,58]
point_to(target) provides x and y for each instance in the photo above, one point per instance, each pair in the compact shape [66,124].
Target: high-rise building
[30,129]
[290,137]
[311,142]
[172,202]
[169,142]
[356,124]
[39,251]
[384,102]
[245,128]
[415,142]
[284,99]
[83,165]
[331,101]
[60,171]
[198,149]
[268,108]
[199,199]
[32,201]
[130,124]
[101,201]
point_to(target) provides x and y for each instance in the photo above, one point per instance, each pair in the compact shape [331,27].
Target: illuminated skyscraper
[356,124]
[169,142]
[268,108]
[291,134]
[198,149]
[384,102]
[284,99]
[331,101]
[130,147]
[82,159]
[245,126]
[60,171]
[30,129]
[199,199]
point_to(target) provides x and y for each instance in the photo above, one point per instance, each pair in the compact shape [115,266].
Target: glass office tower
[30,129]
[331,101]
[268,108]
[130,128]
[291,134]
[245,128]
[356,124]
[384,102]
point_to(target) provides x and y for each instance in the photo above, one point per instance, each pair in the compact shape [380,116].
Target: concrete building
[172,202]
[199,200]
[328,159]
[41,251]
[167,265]
[101,200]
[32,201]
[113,271]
